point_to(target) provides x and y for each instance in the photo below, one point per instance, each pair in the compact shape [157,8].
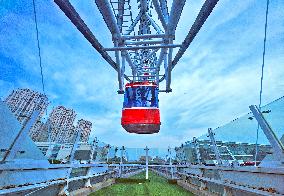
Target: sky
[214,82]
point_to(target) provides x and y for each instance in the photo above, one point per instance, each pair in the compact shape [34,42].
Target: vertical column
[94,147]
[277,146]
[89,171]
[64,190]
[121,161]
[213,142]
[147,167]
[171,165]
[108,147]
[196,147]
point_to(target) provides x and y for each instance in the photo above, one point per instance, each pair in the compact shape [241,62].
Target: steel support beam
[163,53]
[144,36]
[160,14]
[149,56]
[143,47]
[169,71]
[120,79]
[129,61]
[176,10]
[199,21]
[171,165]
[122,70]
[21,136]
[120,14]
[75,18]
[154,24]
[106,11]
[143,42]
[215,147]
[276,144]
[164,8]
[147,161]
[197,151]
[132,26]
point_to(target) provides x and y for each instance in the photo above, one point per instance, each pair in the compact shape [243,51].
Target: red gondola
[140,113]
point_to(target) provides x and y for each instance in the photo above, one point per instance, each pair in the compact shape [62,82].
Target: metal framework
[276,144]
[144,43]
[38,177]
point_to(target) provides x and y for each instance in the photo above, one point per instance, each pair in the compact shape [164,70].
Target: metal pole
[121,161]
[107,13]
[75,146]
[120,79]
[276,144]
[196,147]
[107,155]
[164,8]
[147,168]
[160,14]
[143,47]
[169,70]
[89,171]
[171,165]
[176,10]
[64,190]
[120,14]
[94,147]
[144,36]
[215,147]
[75,18]
[199,21]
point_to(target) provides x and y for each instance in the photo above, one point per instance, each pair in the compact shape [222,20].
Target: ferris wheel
[145,43]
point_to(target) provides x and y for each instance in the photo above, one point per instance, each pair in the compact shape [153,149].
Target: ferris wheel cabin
[140,113]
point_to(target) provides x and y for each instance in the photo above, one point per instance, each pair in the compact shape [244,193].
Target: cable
[38,46]
[261,79]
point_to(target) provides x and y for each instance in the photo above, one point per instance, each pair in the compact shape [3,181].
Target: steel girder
[75,18]
[145,45]
[199,21]
[202,16]
[276,144]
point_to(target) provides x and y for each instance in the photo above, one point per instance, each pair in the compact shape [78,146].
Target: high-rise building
[42,134]
[22,103]
[61,122]
[85,127]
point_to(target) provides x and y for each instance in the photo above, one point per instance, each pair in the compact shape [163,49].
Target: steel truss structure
[143,43]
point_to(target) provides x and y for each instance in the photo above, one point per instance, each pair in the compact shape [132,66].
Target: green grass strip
[137,185]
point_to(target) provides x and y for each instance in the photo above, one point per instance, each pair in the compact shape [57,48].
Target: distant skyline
[214,82]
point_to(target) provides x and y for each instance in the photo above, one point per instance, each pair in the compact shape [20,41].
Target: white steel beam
[160,14]
[75,18]
[120,14]
[144,36]
[144,42]
[21,136]
[107,13]
[154,24]
[176,10]
[215,147]
[164,8]
[132,26]
[143,47]
[199,21]
[276,144]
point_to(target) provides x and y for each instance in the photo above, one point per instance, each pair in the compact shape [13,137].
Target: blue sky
[214,82]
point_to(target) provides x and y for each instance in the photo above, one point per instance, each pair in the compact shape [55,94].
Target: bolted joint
[169,90]
[120,92]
